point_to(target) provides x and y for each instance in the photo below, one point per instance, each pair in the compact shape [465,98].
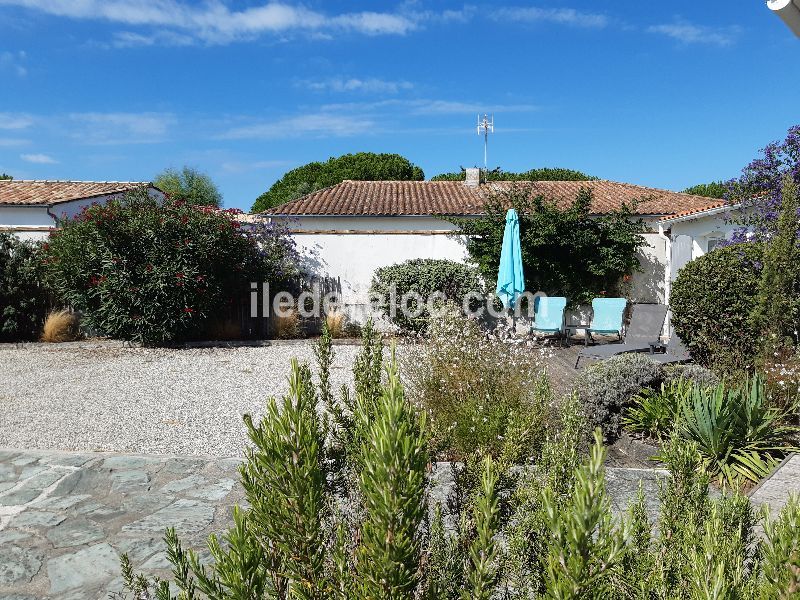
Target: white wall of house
[351,248]
[692,236]
[34,222]
[26,222]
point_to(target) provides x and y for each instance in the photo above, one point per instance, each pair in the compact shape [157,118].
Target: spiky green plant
[284,484]
[483,551]
[392,484]
[585,546]
[739,436]
[654,413]
[781,553]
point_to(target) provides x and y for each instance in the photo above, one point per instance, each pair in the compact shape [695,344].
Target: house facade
[31,209]
[349,230]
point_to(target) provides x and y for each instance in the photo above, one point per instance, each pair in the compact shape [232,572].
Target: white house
[349,230]
[31,209]
[693,233]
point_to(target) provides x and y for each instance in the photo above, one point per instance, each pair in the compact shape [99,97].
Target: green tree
[5,176]
[190,186]
[543,174]
[715,189]
[566,251]
[362,166]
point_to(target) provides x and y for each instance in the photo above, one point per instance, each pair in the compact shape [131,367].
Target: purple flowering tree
[760,188]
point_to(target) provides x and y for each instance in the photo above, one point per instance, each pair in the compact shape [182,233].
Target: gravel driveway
[138,400]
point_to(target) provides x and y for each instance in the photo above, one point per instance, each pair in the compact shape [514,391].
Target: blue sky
[665,94]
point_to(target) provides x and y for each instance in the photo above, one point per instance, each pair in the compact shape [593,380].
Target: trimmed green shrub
[419,278]
[712,299]
[153,273]
[23,298]
[694,373]
[605,389]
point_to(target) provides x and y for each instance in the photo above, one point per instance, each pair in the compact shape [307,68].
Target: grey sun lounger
[674,352]
[643,332]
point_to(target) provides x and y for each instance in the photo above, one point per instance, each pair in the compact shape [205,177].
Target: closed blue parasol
[510,280]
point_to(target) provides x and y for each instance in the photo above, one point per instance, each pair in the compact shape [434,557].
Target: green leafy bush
[479,394]
[361,166]
[420,278]
[711,301]
[605,389]
[566,251]
[153,273]
[24,300]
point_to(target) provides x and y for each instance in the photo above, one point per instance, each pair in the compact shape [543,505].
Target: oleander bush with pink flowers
[151,272]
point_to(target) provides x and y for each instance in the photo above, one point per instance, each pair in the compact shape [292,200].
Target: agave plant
[739,436]
[655,412]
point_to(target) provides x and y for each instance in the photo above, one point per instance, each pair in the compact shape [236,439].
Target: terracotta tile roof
[45,193]
[713,204]
[396,198]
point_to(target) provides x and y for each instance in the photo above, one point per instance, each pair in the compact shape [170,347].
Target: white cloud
[214,22]
[560,16]
[39,159]
[353,84]
[12,61]
[121,128]
[15,121]
[688,33]
[321,124]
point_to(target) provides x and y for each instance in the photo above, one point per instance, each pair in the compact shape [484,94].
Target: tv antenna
[485,127]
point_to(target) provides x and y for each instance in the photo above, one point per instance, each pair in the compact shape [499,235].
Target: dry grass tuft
[61,326]
[287,325]
[337,323]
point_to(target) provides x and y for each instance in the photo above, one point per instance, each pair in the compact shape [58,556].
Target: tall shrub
[23,297]
[712,299]
[777,311]
[402,291]
[565,251]
[154,273]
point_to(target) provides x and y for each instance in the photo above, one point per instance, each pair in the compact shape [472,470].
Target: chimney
[472,177]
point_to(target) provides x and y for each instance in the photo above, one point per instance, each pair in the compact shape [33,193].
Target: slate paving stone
[125,481]
[67,460]
[144,503]
[67,517]
[7,472]
[11,535]
[37,518]
[186,516]
[60,502]
[83,569]
[17,564]
[75,532]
